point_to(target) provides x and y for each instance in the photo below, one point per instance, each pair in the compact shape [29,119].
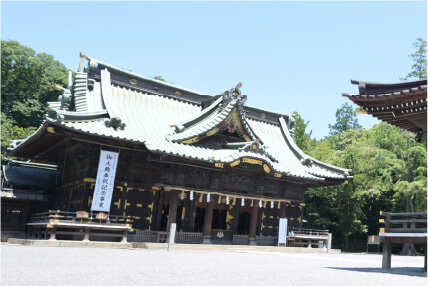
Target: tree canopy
[28,82]
[346,119]
[419,68]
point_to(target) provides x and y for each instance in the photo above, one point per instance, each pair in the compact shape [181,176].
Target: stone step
[164,246]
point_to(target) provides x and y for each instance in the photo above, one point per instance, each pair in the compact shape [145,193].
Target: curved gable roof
[167,124]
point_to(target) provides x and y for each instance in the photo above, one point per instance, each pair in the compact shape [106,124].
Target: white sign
[105,181]
[282,231]
[171,236]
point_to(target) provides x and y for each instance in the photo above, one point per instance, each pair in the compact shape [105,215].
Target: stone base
[206,240]
[253,242]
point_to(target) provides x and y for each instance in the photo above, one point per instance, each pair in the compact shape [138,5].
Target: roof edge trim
[140,76]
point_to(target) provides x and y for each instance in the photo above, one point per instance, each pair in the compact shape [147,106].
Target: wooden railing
[308,237]
[142,236]
[310,232]
[188,237]
[402,228]
[81,216]
[240,239]
[78,224]
[266,240]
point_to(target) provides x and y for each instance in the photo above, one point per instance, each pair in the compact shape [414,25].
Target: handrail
[71,216]
[415,222]
[403,214]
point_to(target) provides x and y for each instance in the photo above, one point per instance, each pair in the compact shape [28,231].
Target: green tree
[389,174]
[346,119]
[28,83]
[301,137]
[10,132]
[419,68]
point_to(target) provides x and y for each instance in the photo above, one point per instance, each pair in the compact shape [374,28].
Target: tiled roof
[162,123]
[30,175]
[377,91]
[402,104]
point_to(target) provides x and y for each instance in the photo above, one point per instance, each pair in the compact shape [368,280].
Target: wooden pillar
[172,215]
[191,215]
[386,259]
[208,221]
[283,210]
[425,254]
[253,222]
[159,212]
[53,233]
[86,238]
[232,215]
[124,236]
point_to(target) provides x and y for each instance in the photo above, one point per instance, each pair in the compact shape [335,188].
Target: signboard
[171,237]
[105,181]
[282,231]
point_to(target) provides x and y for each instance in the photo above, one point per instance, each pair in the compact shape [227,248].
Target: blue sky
[290,56]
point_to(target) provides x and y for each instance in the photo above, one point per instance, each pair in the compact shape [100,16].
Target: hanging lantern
[182,195]
[271,204]
[252,203]
[242,202]
[279,205]
[264,204]
[191,196]
[201,196]
[219,199]
[260,204]
[234,201]
[208,197]
[227,200]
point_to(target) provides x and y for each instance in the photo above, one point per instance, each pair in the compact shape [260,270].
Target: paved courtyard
[32,265]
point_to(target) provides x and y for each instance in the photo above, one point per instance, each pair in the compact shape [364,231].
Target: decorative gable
[226,113]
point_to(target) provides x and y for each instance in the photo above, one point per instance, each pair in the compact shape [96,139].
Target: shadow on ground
[410,271]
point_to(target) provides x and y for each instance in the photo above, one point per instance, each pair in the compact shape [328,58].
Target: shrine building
[211,164]
[402,104]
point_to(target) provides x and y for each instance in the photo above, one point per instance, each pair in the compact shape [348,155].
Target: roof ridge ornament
[64,98]
[115,123]
[234,94]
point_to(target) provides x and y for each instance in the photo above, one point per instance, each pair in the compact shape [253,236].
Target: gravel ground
[29,265]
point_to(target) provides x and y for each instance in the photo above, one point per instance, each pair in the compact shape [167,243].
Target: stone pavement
[38,265]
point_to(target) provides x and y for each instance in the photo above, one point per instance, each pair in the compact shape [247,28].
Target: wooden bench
[53,223]
[402,228]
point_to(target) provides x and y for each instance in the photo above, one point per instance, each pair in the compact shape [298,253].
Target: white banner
[282,231]
[105,181]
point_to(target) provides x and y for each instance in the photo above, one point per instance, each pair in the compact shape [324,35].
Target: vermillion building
[210,164]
